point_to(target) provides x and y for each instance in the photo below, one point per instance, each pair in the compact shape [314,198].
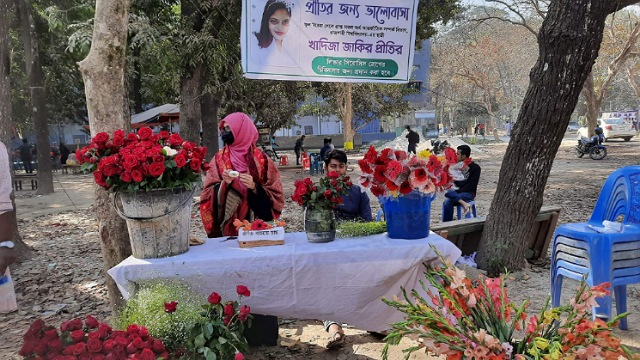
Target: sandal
[337,339]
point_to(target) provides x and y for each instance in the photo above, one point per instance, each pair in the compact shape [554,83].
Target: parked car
[573,126]
[613,128]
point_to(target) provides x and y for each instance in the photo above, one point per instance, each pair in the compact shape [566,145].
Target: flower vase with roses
[406,185]
[319,200]
[154,177]
[220,335]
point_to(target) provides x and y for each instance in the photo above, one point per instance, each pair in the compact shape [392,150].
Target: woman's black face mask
[227,137]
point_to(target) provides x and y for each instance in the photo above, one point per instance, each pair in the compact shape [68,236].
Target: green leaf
[222,340]
[210,355]
[208,330]
[199,341]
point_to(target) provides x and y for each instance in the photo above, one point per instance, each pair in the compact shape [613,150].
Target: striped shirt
[5,180]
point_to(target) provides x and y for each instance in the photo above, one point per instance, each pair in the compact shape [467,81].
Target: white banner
[333,40]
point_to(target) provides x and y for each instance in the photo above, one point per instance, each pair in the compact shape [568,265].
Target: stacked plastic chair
[316,164]
[603,255]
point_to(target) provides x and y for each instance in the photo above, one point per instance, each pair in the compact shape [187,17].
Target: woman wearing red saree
[256,193]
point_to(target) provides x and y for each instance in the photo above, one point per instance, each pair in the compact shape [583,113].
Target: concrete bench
[466,233]
[17,181]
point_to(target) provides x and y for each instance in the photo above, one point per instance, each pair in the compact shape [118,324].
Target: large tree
[6,125]
[103,71]
[569,41]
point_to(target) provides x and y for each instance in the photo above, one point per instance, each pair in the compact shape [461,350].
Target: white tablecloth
[343,280]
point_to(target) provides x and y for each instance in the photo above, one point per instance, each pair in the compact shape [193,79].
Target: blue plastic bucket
[407,216]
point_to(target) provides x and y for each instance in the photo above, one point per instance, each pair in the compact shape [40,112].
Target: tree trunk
[569,41]
[631,77]
[593,103]
[190,108]
[103,71]
[210,108]
[37,94]
[137,82]
[347,113]
[6,124]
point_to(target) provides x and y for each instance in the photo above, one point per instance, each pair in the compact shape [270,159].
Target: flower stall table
[342,280]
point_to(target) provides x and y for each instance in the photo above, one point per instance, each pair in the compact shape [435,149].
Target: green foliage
[358,229]
[146,308]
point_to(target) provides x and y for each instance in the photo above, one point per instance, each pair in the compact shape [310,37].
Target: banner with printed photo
[329,40]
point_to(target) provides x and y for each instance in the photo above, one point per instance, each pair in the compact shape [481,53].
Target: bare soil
[65,278]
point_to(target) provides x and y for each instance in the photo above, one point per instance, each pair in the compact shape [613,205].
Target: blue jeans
[452,198]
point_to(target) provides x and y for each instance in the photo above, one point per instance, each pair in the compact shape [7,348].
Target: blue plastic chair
[470,213]
[613,257]
[316,164]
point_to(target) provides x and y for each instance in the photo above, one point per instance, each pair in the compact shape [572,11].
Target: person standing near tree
[298,148]
[507,128]
[414,139]
[7,252]
[26,155]
[64,153]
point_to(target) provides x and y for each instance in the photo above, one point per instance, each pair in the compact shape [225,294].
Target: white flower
[169,151]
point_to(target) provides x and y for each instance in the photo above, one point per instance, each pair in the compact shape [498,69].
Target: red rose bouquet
[325,194]
[394,173]
[90,340]
[474,319]
[142,161]
[220,335]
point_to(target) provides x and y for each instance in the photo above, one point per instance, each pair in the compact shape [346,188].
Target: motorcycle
[438,146]
[592,146]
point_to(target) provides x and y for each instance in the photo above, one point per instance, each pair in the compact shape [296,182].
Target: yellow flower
[424,154]
[549,316]
[541,343]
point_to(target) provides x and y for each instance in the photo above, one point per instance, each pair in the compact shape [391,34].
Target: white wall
[326,126]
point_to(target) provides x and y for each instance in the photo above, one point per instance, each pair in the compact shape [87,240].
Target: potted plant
[319,200]
[154,175]
[406,186]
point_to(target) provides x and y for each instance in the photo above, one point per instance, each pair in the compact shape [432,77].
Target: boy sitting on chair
[355,207]
[467,188]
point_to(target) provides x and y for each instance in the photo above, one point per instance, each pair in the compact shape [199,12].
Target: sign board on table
[266,237]
[329,40]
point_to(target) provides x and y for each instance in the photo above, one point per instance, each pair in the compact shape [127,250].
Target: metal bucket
[158,221]
[320,225]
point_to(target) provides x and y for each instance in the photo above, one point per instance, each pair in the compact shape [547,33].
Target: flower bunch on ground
[257,224]
[465,319]
[90,340]
[142,160]
[220,333]
[395,173]
[325,194]
[167,308]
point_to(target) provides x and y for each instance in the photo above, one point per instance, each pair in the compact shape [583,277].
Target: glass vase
[320,225]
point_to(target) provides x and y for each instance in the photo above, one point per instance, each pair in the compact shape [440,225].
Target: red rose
[93,335]
[138,342]
[227,320]
[85,356]
[333,175]
[98,357]
[158,346]
[170,307]
[188,146]
[79,348]
[91,322]
[156,169]
[108,345]
[122,341]
[244,312]
[126,177]
[68,350]
[164,134]
[206,166]
[94,345]
[327,193]
[77,335]
[110,170]
[133,329]
[100,138]
[51,334]
[118,133]
[118,333]
[136,175]
[145,133]
[158,158]
[36,326]
[214,298]
[55,344]
[334,182]
[27,348]
[243,290]
[164,355]
[195,164]
[147,354]
[180,160]
[238,356]
[132,349]
[175,140]
[144,332]
[41,348]
[132,137]
[99,178]
[228,309]
[65,326]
